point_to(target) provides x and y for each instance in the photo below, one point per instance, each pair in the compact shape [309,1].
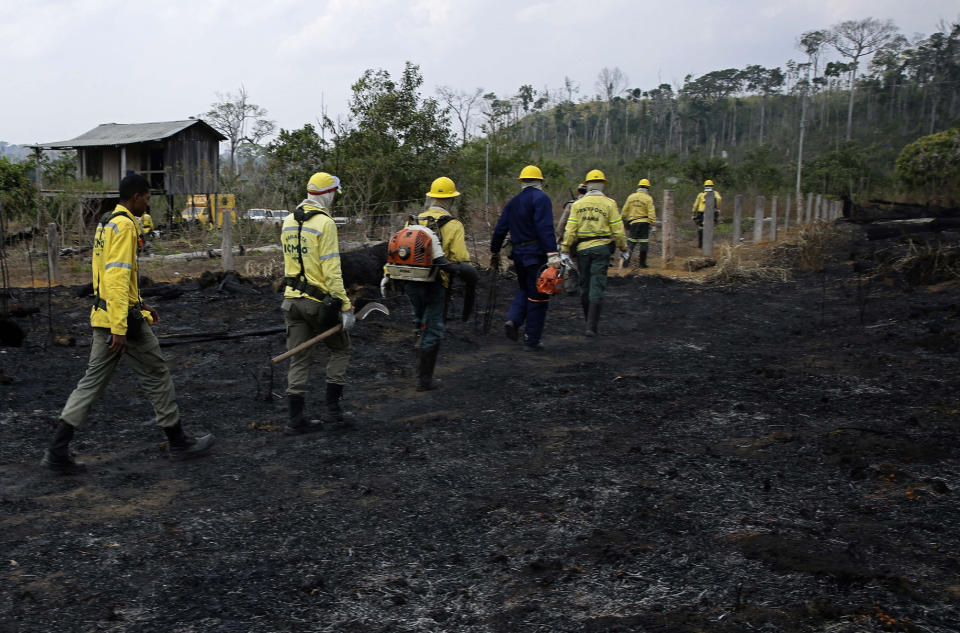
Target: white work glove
[566,260]
[347,319]
[554,260]
[625,256]
[383,285]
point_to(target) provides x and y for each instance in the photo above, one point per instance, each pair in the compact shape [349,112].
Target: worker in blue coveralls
[528,218]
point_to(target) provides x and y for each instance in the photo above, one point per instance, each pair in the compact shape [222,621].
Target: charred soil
[774,456]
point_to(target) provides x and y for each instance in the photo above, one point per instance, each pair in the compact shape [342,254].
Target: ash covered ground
[722,458]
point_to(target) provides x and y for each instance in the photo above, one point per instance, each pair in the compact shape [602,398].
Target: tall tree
[394,141]
[291,159]
[239,120]
[462,104]
[855,38]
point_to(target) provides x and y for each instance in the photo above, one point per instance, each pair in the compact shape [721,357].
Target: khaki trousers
[148,364]
[305,318]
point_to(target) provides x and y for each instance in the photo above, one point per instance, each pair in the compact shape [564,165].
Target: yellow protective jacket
[700,204]
[594,221]
[146,222]
[321,254]
[452,237]
[115,271]
[639,208]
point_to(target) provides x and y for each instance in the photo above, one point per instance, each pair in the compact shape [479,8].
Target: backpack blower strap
[300,283]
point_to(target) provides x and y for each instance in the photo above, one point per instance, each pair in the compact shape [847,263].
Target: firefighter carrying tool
[640,216]
[700,205]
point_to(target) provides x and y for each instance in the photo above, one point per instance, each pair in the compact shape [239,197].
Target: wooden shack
[177,157]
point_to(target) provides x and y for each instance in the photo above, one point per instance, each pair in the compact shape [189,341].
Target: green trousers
[592,265]
[305,318]
[148,364]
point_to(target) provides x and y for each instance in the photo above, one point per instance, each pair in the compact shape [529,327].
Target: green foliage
[931,164]
[395,144]
[16,189]
[699,169]
[758,171]
[292,158]
[60,170]
[840,172]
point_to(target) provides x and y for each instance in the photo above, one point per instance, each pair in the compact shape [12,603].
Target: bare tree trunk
[853,84]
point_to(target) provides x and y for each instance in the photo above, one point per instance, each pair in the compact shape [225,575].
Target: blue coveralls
[528,218]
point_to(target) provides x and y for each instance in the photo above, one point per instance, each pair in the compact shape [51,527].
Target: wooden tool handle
[310,343]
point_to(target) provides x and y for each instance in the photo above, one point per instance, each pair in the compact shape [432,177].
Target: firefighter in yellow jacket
[593,229]
[640,216]
[121,327]
[700,205]
[314,301]
[429,298]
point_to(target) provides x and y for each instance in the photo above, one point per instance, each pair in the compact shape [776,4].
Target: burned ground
[722,458]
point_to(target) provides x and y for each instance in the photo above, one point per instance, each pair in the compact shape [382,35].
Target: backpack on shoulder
[414,250]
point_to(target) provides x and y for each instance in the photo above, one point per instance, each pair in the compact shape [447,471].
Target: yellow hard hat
[595,175]
[531,172]
[643,183]
[322,182]
[443,187]
[708,183]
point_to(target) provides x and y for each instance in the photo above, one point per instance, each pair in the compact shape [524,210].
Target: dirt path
[721,458]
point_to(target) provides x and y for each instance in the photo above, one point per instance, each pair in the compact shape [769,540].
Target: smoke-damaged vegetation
[771,456]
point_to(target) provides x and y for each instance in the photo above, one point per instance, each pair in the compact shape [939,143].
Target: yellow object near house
[202,208]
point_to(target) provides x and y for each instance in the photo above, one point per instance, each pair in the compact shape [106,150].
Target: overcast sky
[69,66]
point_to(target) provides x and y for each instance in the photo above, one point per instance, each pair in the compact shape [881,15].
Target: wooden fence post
[773,219]
[53,253]
[669,228]
[737,219]
[808,218]
[758,220]
[708,224]
[227,245]
[816,207]
[786,215]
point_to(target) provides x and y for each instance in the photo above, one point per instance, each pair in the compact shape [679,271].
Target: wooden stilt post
[53,253]
[669,228]
[773,219]
[758,220]
[737,219]
[708,224]
[786,215]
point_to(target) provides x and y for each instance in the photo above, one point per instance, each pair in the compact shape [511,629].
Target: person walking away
[120,323]
[593,229]
[640,216]
[528,218]
[562,224]
[428,292]
[314,301]
[700,205]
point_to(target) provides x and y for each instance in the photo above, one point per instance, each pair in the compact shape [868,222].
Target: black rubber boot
[585,304]
[425,367]
[699,238]
[58,458]
[181,448]
[643,256]
[511,330]
[593,318]
[297,425]
[338,418]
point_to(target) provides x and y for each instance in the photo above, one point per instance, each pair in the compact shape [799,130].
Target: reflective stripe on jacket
[114,267]
[639,208]
[594,221]
[321,254]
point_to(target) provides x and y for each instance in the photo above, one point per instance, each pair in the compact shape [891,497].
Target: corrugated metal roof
[111,134]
